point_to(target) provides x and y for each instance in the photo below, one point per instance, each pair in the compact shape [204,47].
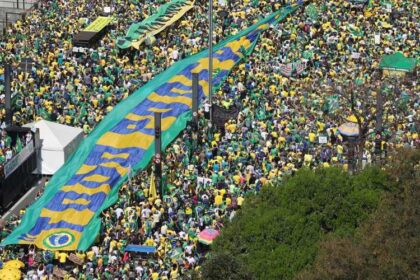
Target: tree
[368,102]
[276,233]
[225,266]
[387,245]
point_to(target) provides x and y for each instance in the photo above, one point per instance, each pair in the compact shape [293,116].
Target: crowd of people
[9,147]
[209,173]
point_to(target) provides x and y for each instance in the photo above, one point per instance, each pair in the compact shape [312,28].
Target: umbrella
[349,129]
[14,264]
[207,236]
[10,274]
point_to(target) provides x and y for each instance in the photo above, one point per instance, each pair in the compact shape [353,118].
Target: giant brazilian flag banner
[67,216]
[166,15]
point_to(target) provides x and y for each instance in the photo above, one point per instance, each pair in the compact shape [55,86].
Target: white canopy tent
[58,142]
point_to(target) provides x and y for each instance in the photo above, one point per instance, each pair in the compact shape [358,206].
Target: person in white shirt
[164,229]
[188,249]
[118,212]
[95,249]
[139,270]
[175,54]
[191,261]
[9,154]
[207,107]
[145,213]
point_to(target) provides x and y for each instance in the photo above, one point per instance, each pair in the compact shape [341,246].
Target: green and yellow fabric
[98,24]
[398,62]
[166,15]
[67,216]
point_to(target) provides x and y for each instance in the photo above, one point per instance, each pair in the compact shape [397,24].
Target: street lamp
[211,59]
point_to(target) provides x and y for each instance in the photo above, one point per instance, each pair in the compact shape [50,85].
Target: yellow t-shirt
[312,137]
[90,255]
[237,179]
[218,200]
[62,257]
[113,244]
[68,119]
[81,256]
[155,275]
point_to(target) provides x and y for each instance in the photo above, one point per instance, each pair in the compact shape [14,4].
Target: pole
[211,59]
[195,99]
[158,153]
[379,110]
[8,93]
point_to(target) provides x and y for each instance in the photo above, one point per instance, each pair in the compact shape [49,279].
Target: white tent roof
[55,136]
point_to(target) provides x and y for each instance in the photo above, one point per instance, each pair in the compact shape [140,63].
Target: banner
[291,69]
[166,15]
[58,272]
[222,115]
[75,259]
[67,215]
[98,24]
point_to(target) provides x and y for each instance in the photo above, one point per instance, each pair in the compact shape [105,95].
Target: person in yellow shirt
[68,119]
[62,258]
[155,275]
[340,150]
[218,200]
[90,255]
[312,137]
[228,201]
[81,255]
[149,242]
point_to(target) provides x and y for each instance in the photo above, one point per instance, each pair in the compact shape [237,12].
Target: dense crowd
[208,174]
[10,147]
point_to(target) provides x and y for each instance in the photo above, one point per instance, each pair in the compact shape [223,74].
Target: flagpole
[211,60]
[129,175]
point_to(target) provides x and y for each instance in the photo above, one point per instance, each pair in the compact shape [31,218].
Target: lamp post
[211,59]
[195,100]
[158,152]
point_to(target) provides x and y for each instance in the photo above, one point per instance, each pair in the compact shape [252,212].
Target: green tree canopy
[276,234]
[387,245]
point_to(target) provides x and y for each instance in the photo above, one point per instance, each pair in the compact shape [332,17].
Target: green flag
[19,145]
[44,114]
[312,11]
